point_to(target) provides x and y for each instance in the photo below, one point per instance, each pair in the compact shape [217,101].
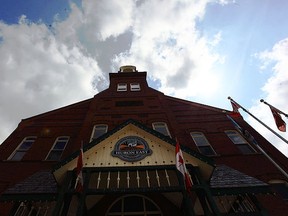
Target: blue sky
[58,52]
[35,10]
[248,27]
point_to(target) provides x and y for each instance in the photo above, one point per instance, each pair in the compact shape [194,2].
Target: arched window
[240,142]
[202,143]
[22,149]
[134,205]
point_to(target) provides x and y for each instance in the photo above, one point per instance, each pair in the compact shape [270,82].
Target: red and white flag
[79,179]
[180,165]
[235,107]
[281,125]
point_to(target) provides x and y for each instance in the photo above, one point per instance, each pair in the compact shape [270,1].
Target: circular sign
[131,148]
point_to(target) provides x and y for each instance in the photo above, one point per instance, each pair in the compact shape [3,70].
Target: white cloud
[225,2]
[275,91]
[45,68]
[95,21]
[167,43]
[38,73]
[104,19]
[60,63]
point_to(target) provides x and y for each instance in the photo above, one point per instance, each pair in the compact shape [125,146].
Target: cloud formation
[275,92]
[38,73]
[44,67]
[48,66]
[166,42]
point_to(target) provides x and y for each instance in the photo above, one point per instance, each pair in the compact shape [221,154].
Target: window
[280,187]
[98,131]
[240,142]
[122,87]
[135,87]
[128,103]
[202,143]
[161,127]
[29,208]
[237,205]
[57,149]
[134,205]
[21,150]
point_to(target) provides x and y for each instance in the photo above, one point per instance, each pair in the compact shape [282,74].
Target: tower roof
[127,69]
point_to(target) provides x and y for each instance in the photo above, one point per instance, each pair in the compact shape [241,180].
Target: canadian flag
[281,125]
[79,180]
[180,165]
[235,107]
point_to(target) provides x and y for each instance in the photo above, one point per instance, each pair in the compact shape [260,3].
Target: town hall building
[127,134]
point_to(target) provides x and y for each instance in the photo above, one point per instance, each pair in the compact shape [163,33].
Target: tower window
[161,127]
[202,143]
[122,87]
[57,149]
[98,131]
[240,142]
[135,87]
[128,103]
[21,150]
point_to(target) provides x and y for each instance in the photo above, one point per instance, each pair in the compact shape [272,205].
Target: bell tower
[127,69]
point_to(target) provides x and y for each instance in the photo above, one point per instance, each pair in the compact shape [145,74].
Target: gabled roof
[143,127]
[165,148]
[195,104]
[40,185]
[224,179]
[81,105]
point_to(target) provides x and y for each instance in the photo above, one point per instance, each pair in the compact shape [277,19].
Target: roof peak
[127,69]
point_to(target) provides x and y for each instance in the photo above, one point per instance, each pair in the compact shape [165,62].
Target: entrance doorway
[134,205]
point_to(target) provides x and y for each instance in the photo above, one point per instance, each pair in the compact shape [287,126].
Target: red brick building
[129,132]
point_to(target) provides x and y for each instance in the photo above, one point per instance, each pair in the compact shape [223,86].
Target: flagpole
[282,138]
[286,115]
[250,138]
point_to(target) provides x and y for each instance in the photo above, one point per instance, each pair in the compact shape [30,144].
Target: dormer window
[57,149]
[240,142]
[22,149]
[135,87]
[202,143]
[122,87]
[98,131]
[161,127]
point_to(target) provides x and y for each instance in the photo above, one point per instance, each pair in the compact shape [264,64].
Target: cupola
[127,69]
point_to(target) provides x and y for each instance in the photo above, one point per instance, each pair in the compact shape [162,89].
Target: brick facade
[146,106]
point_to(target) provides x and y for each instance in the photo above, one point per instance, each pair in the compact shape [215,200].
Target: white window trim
[237,134]
[238,144]
[121,87]
[165,125]
[207,142]
[135,87]
[52,148]
[17,149]
[94,128]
